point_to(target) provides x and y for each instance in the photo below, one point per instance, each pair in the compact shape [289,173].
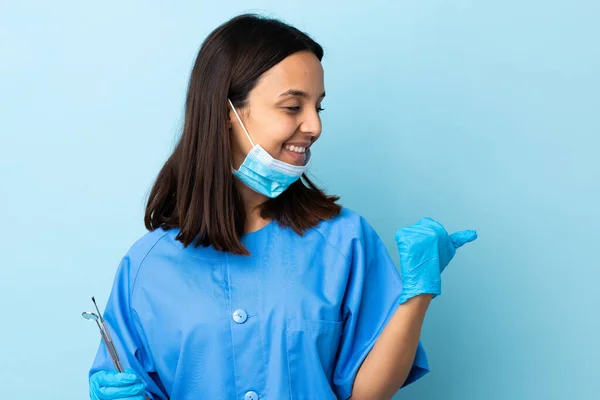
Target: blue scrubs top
[294,320]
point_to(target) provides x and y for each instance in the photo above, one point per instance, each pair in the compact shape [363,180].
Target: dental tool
[104,332]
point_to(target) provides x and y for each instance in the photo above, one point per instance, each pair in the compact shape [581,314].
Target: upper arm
[372,297]
[126,333]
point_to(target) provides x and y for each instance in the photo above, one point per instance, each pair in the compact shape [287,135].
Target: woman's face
[282,111]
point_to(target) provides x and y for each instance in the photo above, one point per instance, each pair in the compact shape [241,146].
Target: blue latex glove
[111,385]
[425,250]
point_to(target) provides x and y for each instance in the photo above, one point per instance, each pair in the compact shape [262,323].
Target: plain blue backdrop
[480,114]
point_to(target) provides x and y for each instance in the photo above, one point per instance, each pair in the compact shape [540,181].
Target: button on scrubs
[294,320]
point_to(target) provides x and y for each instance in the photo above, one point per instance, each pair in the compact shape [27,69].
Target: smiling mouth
[296,149]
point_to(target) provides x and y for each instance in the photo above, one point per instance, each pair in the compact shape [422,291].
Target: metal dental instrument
[104,332]
[109,338]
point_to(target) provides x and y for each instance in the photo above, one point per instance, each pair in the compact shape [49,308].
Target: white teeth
[296,149]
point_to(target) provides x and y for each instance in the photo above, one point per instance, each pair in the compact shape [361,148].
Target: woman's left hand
[425,250]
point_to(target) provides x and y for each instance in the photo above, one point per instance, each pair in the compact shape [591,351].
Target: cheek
[276,136]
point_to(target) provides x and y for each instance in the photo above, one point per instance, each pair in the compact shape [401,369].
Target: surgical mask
[263,173]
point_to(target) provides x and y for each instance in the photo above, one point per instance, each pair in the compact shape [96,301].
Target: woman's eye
[296,109]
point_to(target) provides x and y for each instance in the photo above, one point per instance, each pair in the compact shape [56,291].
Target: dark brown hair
[195,189]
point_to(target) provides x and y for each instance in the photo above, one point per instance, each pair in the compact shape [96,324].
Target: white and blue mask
[263,173]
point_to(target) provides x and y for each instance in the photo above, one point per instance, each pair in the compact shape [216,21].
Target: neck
[252,201]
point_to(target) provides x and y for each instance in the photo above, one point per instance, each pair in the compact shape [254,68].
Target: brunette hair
[195,189]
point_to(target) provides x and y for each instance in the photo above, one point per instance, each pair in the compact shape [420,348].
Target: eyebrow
[299,93]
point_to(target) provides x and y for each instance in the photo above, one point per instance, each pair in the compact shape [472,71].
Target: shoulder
[153,254]
[348,223]
[348,230]
[145,245]
[142,249]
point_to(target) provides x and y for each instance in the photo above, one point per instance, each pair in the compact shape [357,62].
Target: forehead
[300,71]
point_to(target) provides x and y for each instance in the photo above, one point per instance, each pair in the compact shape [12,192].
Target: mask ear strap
[240,121]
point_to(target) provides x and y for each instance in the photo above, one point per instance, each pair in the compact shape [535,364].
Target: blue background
[482,115]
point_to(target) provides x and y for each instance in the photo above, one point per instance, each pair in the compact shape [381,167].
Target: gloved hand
[425,250]
[111,385]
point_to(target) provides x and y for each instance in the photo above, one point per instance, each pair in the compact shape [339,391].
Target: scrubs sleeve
[126,333]
[371,298]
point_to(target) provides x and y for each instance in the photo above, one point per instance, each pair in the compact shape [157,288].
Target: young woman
[252,283]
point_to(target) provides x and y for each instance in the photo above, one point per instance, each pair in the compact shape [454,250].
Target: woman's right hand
[112,385]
